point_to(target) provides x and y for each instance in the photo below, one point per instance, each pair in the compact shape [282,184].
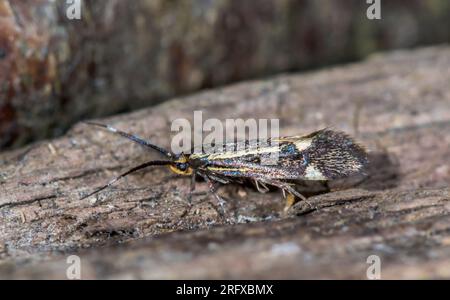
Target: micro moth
[319,156]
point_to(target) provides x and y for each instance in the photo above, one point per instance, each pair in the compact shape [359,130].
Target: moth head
[181,165]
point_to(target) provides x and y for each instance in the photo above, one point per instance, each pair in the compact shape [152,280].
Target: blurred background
[124,55]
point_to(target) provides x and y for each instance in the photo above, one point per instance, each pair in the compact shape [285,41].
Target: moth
[319,156]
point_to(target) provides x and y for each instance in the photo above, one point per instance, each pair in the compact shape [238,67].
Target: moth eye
[182,166]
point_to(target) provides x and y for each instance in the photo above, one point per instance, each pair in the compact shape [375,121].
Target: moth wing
[322,155]
[328,155]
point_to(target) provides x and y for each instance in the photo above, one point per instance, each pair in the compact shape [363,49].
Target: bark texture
[397,104]
[123,55]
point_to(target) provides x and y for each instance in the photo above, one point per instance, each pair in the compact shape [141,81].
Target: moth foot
[290,200]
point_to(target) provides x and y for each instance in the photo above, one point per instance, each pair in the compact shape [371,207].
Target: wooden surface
[55,71]
[397,104]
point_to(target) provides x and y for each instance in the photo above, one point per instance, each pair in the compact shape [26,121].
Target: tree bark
[122,55]
[396,104]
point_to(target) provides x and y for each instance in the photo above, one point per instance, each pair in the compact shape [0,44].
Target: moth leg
[213,189]
[290,200]
[191,188]
[264,188]
[219,179]
[292,193]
